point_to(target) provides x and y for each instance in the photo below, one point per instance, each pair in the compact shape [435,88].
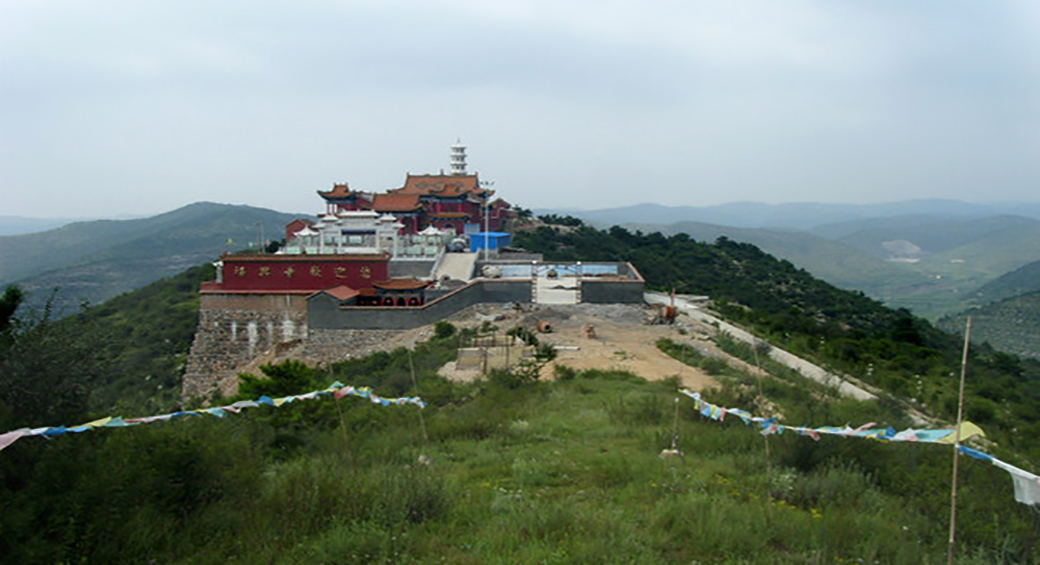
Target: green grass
[562,472]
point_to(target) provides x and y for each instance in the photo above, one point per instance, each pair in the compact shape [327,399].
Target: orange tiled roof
[395,202]
[401,284]
[338,191]
[341,292]
[447,186]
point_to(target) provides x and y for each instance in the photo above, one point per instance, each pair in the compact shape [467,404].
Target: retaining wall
[233,330]
[320,316]
[612,291]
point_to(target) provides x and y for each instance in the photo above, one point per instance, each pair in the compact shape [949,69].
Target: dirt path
[626,345]
[807,369]
[623,341]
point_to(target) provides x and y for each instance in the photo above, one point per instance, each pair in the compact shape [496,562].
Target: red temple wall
[299,273]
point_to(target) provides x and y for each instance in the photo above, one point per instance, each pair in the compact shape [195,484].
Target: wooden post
[957,444]
[761,397]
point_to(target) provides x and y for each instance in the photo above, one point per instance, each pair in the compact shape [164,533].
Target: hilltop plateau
[595,458]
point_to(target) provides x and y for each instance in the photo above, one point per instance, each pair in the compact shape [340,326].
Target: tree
[47,367]
[9,303]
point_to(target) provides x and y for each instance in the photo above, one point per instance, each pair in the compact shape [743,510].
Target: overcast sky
[111,107]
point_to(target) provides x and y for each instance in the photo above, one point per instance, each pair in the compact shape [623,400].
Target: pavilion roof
[341,292]
[395,202]
[444,186]
[338,191]
[401,284]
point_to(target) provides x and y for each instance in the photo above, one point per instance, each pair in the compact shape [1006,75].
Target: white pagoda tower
[458,158]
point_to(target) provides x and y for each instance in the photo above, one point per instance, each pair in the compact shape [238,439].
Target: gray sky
[138,107]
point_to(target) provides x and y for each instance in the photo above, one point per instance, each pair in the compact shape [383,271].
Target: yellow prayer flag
[968,430]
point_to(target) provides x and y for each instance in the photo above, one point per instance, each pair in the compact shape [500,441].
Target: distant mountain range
[930,256]
[97,260]
[800,216]
[17,225]
[934,257]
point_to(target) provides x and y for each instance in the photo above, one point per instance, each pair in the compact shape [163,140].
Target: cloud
[120,106]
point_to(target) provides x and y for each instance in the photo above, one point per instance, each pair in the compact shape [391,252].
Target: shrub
[564,373]
[509,379]
[443,330]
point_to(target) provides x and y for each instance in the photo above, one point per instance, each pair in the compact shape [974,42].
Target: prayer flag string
[336,389]
[1027,485]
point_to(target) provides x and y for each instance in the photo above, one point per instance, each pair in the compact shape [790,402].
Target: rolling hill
[795,215]
[1011,325]
[94,261]
[17,225]
[1022,280]
[828,260]
[929,264]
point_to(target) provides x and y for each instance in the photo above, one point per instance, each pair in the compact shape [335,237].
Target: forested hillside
[1024,280]
[1011,324]
[843,330]
[929,264]
[147,333]
[832,261]
[95,261]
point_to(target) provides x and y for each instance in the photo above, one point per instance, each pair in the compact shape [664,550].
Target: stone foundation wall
[238,330]
[233,331]
[329,346]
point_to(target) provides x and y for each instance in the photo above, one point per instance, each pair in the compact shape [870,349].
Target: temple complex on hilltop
[455,202]
[401,259]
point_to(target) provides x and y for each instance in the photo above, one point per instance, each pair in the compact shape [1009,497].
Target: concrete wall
[612,291]
[319,316]
[233,330]
[408,268]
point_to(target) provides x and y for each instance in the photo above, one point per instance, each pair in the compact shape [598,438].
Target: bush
[564,373]
[443,330]
[510,379]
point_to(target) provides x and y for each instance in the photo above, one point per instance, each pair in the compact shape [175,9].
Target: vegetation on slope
[954,255]
[834,262]
[542,472]
[844,331]
[1023,280]
[1011,325]
[95,261]
[147,334]
[561,472]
